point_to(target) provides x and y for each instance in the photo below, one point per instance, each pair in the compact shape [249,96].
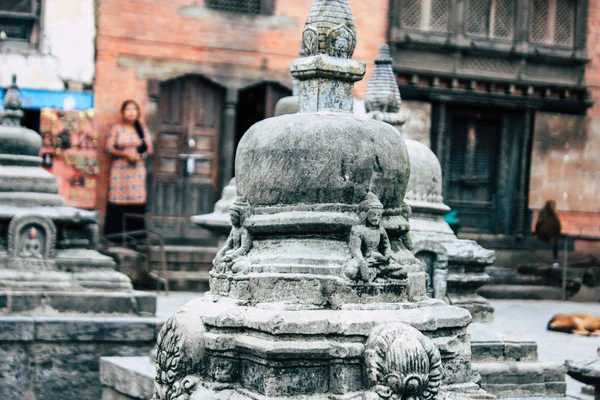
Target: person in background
[548,226]
[129,143]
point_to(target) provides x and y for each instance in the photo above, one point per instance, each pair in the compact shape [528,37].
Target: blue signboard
[35,99]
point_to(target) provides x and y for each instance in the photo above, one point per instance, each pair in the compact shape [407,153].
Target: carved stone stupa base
[361,352]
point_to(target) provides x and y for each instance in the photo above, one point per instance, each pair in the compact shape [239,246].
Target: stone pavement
[518,319]
[527,319]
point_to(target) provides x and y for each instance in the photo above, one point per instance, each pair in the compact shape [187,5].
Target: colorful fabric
[127,181]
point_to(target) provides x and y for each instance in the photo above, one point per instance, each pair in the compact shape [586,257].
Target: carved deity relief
[341,42]
[310,39]
[370,246]
[31,237]
[401,364]
[239,242]
[32,245]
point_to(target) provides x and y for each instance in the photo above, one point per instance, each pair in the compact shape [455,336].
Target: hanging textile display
[69,153]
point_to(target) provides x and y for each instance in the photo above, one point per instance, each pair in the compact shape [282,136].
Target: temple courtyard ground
[516,319]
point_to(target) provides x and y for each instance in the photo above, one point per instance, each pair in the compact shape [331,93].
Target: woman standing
[129,142]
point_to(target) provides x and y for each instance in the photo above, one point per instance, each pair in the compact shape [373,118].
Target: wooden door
[473,171]
[185,170]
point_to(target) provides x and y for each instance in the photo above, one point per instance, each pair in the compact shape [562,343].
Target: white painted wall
[66,52]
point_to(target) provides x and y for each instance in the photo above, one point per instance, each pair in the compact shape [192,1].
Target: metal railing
[143,239]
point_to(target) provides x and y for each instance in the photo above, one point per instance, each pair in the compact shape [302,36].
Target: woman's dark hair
[137,125]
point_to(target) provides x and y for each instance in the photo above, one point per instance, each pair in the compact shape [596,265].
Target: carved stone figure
[401,364]
[31,237]
[32,246]
[229,258]
[370,246]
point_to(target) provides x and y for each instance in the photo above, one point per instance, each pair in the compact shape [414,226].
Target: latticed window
[425,15]
[552,22]
[491,18]
[19,18]
[242,6]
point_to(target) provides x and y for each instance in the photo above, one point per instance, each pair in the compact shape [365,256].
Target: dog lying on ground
[579,324]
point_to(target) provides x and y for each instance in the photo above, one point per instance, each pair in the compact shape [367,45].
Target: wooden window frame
[267,7]
[551,27]
[491,26]
[33,17]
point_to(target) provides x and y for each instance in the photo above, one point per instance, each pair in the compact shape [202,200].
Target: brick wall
[565,163]
[175,31]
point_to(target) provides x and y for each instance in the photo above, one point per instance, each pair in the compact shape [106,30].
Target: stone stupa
[48,257]
[508,366]
[315,295]
[456,267]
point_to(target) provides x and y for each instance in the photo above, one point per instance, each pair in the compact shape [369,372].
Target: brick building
[500,89]
[203,72]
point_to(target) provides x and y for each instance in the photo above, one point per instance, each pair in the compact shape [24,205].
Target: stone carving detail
[370,246]
[31,237]
[330,29]
[402,364]
[341,42]
[176,343]
[310,38]
[239,242]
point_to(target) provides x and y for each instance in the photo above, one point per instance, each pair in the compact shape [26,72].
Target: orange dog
[579,324]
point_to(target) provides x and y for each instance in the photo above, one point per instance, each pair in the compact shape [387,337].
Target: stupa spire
[327,73]
[13,112]
[383,100]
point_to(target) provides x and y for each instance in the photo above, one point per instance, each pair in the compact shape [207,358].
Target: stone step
[525,292]
[522,379]
[489,345]
[125,378]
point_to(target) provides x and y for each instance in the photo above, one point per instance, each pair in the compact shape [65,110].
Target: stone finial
[330,29]
[327,74]
[383,94]
[12,105]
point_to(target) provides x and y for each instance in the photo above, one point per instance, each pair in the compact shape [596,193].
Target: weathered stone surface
[96,329]
[45,358]
[316,294]
[358,158]
[130,377]
[18,329]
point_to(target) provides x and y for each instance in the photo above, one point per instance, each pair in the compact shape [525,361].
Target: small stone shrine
[315,295]
[62,304]
[456,267]
[46,246]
